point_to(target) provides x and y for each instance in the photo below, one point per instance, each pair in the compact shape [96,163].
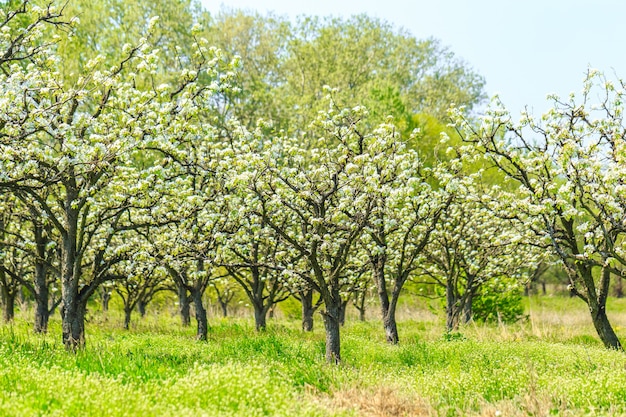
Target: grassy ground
[551,364]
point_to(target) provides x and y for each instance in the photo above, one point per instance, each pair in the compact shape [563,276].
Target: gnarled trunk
[604,328]
[596,300]
[201,318]
[389,324]
[74,308]
[387,307]
[332,326]
[73,314]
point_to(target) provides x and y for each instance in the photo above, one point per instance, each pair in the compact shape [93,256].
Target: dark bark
[596,298]
[332,326]
[388,312]
[467,307]
[260,314]
[40,284]
[127,316]
[387,305]
[73,312]
[342,312]
[141,307]
[73,317]
[391,328]
[389,317]
[105,298]
[389,324]
[201,317]
[308,309]
[183,305]
[8,304]
[604,328]
[42,295]
[42,314]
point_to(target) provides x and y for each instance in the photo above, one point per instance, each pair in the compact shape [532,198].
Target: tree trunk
[387,308]
[306,299]
[73,315]
[389,321]
[74,309]
[8,304]
[390,326]
[260,314]
[359,304]
[141,307]
[183,306]
[467,308]
[452,313]
[201,317]
[105,298]
[127,314]
[332,326]
[342,312]
[42,314]
[597,305]
[604,328]
[40,284]
[42,295]
[224,307]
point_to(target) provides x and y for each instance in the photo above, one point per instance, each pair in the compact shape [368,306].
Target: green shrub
[499,299]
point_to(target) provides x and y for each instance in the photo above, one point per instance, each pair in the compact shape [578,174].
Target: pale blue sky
[524,49]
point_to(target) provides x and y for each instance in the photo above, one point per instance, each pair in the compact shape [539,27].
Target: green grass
[158,369]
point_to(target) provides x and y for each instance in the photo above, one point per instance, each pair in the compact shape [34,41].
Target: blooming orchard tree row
[120,175]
